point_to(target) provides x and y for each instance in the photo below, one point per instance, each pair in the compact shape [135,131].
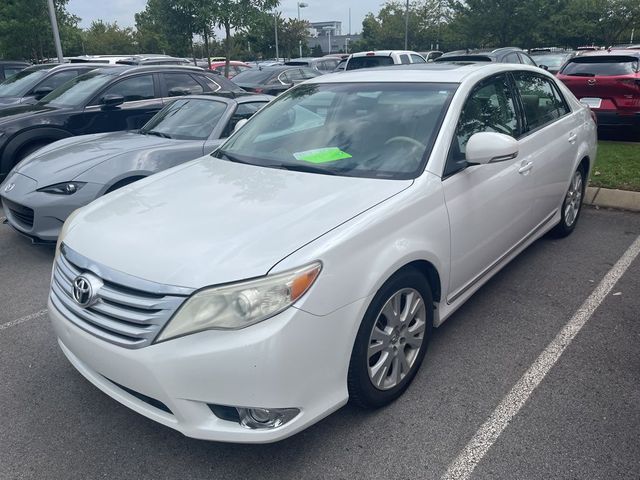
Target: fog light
[256,418]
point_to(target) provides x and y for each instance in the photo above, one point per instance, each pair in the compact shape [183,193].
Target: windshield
[19,84]
[606,66]
[374,130]
[78,91]
[254,75]
[369,61]
[553,60]
[188,119]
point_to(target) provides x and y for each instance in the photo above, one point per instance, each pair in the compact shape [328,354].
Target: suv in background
[104,100]
[499,55]
[609,83]
[273,80]
[321,64]
[431,55]
[8,68]
[382,58]
[34,82]
[551,59]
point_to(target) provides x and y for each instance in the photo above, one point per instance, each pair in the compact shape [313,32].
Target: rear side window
[133,89]
[540,98]
[489,108]
[604,66]
[512,58]
[181,84]
[368,62]
[404,59]
[526,59]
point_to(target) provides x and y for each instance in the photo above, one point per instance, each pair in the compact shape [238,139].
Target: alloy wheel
[573,199]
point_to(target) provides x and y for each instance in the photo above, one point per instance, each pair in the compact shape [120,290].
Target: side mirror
[544,67]
[490,147]
[111,100]
[42,92]
[239,124]
[179,92]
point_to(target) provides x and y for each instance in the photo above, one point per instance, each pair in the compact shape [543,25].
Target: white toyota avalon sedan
[247,294]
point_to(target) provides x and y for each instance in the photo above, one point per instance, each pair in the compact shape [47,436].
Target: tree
[108,39]
[166,26]
[25,29]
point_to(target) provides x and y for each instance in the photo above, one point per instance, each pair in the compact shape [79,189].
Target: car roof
[423,72]
[382,53]
[14,62]
[230,97]
[609,53]
[120,69]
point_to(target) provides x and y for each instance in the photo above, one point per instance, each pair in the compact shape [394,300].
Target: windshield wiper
[581,74]
[156,133]
[232,158]
[306,168]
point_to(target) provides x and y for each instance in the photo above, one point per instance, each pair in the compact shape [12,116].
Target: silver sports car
[42,190]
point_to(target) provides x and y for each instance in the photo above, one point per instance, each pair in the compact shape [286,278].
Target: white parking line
[26,318]
[464,464]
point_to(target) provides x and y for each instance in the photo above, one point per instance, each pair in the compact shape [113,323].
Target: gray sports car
[43,189]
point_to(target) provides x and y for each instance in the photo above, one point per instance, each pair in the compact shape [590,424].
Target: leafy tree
[108,39]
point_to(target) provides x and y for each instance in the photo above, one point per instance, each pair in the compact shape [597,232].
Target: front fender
[39,134]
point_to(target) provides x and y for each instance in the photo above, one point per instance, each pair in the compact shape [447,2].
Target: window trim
[525,132]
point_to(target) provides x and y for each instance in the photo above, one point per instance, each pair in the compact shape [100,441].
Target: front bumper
[293,360]
[41,215]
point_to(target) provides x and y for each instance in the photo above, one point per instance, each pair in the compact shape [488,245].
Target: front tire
[571,206]
[392,340]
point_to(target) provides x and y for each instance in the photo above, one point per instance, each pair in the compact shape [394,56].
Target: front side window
[512,58]
[541,101]
[527,60]
[133,89]
[10,70]
[78,90]
[186,119]
[181,84]
[20,83]
[57,79]
[417,58]
[404,59]
[374,130]
[489,108]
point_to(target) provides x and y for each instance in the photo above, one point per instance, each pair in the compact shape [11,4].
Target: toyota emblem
[83,292]
[9,187]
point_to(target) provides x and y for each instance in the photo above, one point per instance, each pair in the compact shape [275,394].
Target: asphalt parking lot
[581,422]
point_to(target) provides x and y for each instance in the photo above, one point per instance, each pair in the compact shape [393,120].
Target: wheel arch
[44,135]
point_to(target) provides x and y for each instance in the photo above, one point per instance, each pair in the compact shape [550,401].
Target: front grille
[19,213]
[123,315]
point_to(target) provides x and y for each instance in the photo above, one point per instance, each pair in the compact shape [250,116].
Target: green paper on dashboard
[322,155]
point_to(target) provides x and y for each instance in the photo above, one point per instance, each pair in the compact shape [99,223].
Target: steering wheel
[410,140]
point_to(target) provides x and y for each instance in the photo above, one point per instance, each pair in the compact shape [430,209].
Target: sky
[122,11]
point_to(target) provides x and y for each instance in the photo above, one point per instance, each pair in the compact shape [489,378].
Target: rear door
[604,82]
[548,145]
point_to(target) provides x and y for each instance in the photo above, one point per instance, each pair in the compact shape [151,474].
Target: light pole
[301,5]
[328,30]
[275,19]
[56,33]
[406,28]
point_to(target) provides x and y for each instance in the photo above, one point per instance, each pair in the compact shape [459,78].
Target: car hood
[6,101]
[64,160]
[211,221]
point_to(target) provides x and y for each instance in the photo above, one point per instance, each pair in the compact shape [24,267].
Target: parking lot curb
[610,198]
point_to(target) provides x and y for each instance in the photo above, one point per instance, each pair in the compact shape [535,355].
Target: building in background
[339,43]
[317,29]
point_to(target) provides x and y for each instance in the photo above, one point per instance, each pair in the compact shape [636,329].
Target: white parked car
[382,58]
[245,295]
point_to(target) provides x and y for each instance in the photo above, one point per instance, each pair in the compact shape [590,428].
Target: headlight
[64,188]
[239,305]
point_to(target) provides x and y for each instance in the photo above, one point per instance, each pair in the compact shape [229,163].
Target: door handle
[525,168]
[572,137]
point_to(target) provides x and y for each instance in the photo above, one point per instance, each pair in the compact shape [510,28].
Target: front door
[489,205]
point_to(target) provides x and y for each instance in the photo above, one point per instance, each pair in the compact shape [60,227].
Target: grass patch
[617,166]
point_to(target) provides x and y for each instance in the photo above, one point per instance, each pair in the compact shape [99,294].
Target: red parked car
[235,67]
[609,83]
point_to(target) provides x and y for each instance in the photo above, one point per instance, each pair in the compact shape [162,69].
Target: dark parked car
[103,100]
[321,64]
[499,55]
[37,81]
[8,68]
[551,59]
[609,83]
[273,80]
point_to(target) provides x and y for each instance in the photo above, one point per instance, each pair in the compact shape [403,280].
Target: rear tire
[392,340]
[571,206]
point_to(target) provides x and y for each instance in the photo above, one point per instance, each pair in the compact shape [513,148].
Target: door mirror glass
[544,67]
[490,147]
[111,100]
